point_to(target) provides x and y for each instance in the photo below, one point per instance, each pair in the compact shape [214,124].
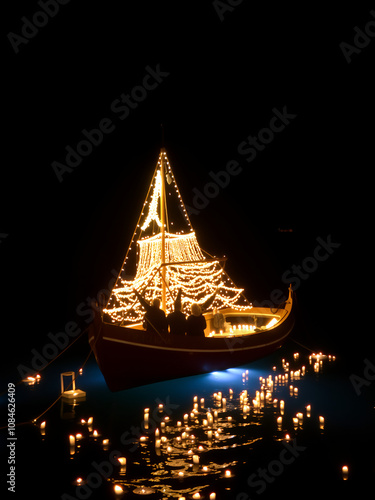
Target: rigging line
[52,360]
[134,232]
[304,346]
[33,420]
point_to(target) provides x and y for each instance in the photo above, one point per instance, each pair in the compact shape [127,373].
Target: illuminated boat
[164,260]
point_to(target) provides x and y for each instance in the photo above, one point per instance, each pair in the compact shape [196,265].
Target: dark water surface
[249,454]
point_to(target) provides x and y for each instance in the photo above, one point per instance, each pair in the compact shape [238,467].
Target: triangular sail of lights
[187,266]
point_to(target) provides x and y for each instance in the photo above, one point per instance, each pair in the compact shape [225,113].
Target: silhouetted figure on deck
[218,321]
[177,321]
[196,322]
[155,320]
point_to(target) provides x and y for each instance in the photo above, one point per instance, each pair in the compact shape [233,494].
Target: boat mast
[162,220]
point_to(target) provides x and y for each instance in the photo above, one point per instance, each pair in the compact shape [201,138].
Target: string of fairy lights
[186,267]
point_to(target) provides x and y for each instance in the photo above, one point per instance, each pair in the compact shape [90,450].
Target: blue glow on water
[245,440]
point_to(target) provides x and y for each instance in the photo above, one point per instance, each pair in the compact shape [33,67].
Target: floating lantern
[345,472]
[287,437]
[196,495]
[157,443]
[80,371]
[195,459]
[212,496]
[105,444]
[295,390]
[186,417]
[95,434]
[279,421]
[209,434]
[295,422]
[228,473]
[79,481]
[72,393]
[321,422]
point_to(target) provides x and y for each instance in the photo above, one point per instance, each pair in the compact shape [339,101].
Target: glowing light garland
[153,210]
[197,280]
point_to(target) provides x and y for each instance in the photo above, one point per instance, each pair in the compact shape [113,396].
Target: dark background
[225,77]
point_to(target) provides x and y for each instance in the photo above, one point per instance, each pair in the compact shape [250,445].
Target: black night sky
[221,81]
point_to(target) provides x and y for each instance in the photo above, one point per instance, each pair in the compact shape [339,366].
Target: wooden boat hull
[130,358]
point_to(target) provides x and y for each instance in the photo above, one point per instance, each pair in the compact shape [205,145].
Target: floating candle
[72,441]
[345,472]
[118,490]
[43,428]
